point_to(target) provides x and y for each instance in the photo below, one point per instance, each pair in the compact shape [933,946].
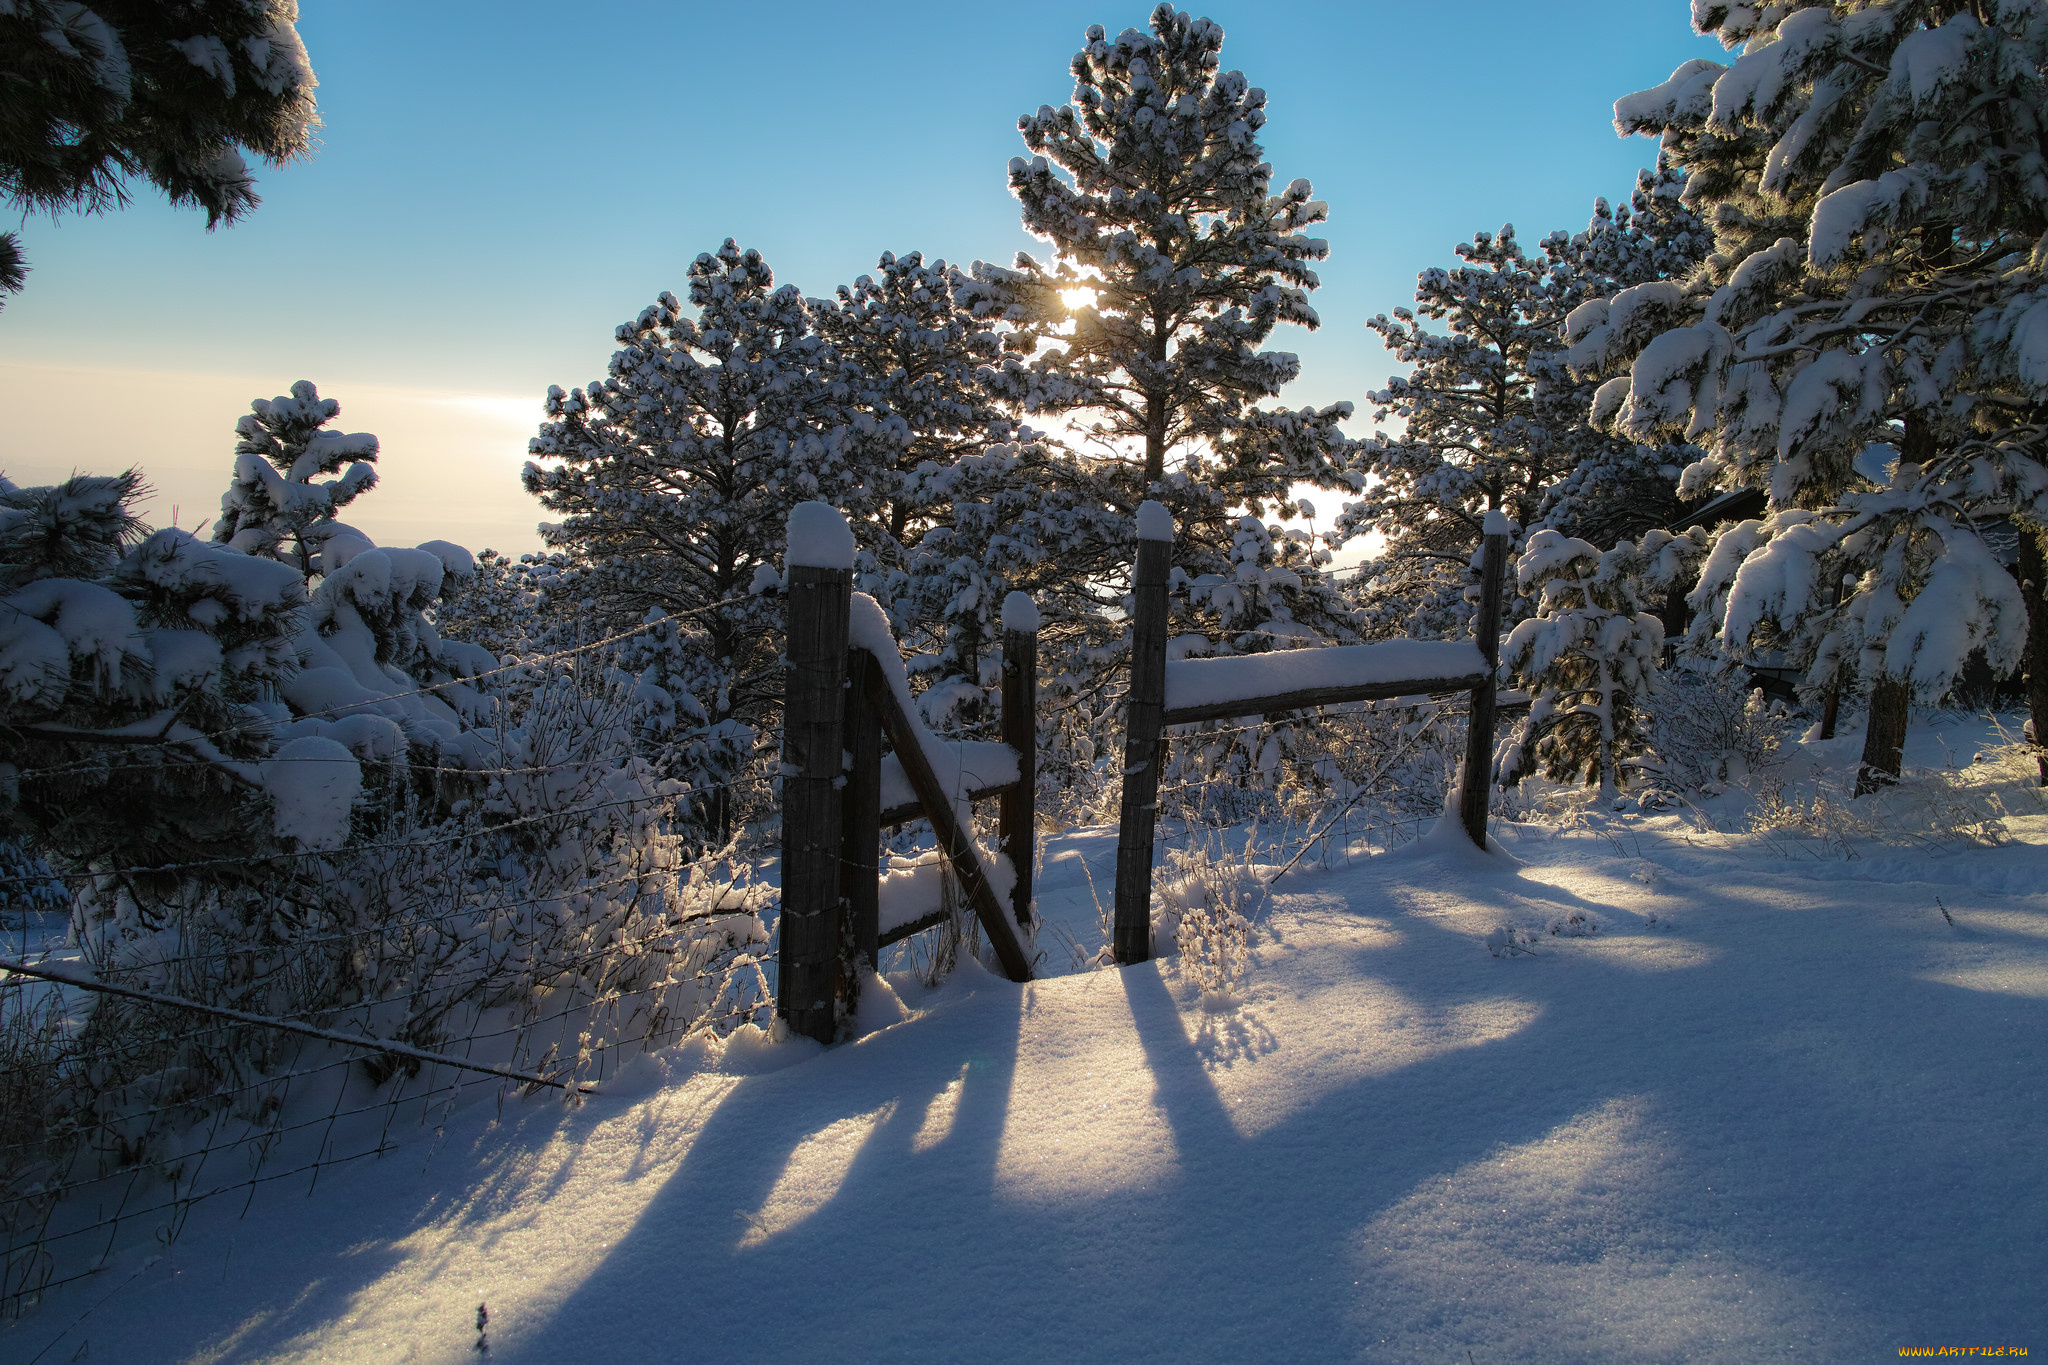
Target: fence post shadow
[1180,1079]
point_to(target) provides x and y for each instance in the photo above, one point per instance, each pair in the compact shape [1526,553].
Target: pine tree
[1614,488]
[135,665]
[13,269]
[173,94]
[1171,264]
[274,508]
[1472,440]
[676,472]
[1588,653]
[914,357]
[1863,343]
[1494,420]
[917,354]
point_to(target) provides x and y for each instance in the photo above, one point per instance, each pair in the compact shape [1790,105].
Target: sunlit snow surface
[1800,1116]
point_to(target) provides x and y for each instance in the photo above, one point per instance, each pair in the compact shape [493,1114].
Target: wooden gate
[845,693]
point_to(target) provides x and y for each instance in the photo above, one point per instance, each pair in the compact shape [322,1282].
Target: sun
[1079,297]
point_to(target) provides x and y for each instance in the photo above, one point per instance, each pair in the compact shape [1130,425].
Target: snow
[1020,613]
[1969,603]
[910,889]
[183,658]
[1748,1116]
[313,784]
[1928,61]
[1853,210]
[35,667]
[179,562]
[1154,521]
[457,564]
[1687,94]
[1247,677]
[1821,394]
[962,766]
[1660,380]
[92,623]
[1497,523]
[819,537]
[959,767]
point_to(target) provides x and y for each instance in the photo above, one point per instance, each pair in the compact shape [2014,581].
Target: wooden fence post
[1477,783]
[1017,815]
[817,587]
[860,845]
[1144,705]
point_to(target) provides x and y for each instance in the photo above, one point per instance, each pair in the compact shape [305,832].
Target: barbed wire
[263,1139]
[29,1269]
[466,912]
[351,849]
[603,999]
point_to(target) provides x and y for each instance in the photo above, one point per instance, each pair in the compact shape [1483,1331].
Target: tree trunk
[1830,709]
[1891,700]
[1884,743]
[1155,440]
[2033,576]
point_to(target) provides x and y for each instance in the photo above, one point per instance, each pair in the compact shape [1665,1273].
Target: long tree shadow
[1258,1246]
[1752,1151]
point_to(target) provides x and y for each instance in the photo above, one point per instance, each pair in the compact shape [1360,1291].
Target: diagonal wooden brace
[954,841]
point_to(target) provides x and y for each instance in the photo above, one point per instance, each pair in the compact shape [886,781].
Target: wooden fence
[845,695]
[1189,690]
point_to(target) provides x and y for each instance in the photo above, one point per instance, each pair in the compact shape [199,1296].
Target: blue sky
[500,184]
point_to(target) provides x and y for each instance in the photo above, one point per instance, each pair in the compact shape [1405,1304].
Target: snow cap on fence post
[1020,613]
[1154,521]
[1498,523]
[819,537]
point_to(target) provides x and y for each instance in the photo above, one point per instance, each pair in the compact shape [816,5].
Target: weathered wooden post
[817,582]
[1017,815]
[1477,783]
[1144,705]
[860,845]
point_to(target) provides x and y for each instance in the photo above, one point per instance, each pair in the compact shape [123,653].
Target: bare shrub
[1204,900]
[1709,731]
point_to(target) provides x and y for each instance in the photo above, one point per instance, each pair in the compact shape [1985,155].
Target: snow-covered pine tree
[132,667]
[1471,439]
[1864,343]
[1612,488]
[675,473]
[1492,417]
[1023,516]
[913,356]
[1588,653]
[477,783]
[174,94]
[274,508]
[295,807]
[1171,264]
[918,355]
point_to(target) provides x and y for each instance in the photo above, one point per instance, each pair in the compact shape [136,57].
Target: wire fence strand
[209,1107]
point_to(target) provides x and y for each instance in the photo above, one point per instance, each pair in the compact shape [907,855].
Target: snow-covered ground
[1775,1106]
